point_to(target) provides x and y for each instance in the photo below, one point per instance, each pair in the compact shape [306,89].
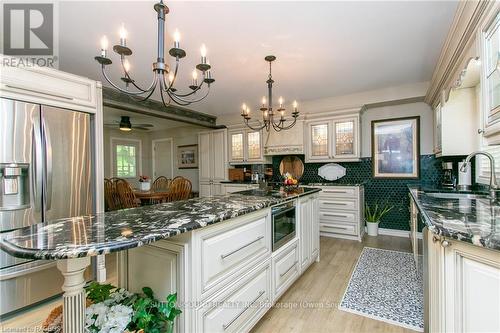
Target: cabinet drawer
[338,216]
[227,252]
[239,310]
[339,228]
[334,191]
[285,269]
[336,204]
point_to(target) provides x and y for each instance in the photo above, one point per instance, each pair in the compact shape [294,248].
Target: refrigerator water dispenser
[14,191]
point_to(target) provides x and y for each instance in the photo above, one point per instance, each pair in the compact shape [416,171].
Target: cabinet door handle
[445,243]
[288,270]
[335,203]
[332,191]
[226,326]
[224,256]
[336,227]
[480,131]
[335,215]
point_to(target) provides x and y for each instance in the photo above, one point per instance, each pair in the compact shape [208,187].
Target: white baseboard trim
[397,233]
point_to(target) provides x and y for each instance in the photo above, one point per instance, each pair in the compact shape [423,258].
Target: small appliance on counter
[464,178]
[449,179]
[236,174]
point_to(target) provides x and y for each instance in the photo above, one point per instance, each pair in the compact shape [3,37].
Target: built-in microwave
[284,224]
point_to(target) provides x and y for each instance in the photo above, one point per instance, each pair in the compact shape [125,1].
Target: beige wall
[185,135]
[398,111]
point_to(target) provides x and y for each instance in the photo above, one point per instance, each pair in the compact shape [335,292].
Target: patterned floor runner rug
[385,286]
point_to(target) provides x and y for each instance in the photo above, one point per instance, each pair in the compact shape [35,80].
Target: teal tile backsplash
[376,190]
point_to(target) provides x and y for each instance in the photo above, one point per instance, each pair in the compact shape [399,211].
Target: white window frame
[132,142]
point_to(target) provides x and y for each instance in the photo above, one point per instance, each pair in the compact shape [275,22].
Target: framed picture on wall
[396,148]
[187,157]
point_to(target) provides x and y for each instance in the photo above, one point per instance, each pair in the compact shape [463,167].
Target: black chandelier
[160,68]
[267,111]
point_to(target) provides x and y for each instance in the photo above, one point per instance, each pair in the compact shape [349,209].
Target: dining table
[147,197]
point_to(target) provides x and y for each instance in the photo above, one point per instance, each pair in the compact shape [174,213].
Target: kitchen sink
[444,195]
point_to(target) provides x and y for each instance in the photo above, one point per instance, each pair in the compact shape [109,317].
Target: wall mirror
[293,165]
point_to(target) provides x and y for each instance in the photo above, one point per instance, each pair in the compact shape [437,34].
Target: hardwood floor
[317,293]
[310,305]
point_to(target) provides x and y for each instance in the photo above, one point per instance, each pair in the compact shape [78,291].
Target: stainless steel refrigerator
[45,174]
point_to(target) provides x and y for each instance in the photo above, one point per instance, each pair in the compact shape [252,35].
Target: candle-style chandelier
[268,113]
[160,68]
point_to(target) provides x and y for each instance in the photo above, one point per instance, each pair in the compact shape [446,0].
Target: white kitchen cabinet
[490,80]
[59,89]
[229,188]
[239,307]
[463,286]
[212,152]
[286,267]
[333,139]
[308,230]
[340,210]
[456,119]
[245,146]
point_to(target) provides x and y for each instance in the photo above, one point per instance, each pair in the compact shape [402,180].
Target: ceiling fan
[125,125]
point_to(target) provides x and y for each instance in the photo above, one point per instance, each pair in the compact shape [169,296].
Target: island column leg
[74,294]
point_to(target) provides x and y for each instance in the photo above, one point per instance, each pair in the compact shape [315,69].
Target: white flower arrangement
[109,316]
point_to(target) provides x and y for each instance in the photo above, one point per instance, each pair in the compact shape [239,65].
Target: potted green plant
[373,215]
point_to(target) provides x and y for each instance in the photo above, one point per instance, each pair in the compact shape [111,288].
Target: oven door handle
[281,212]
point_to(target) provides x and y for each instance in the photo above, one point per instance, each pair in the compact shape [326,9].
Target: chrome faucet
[493,177]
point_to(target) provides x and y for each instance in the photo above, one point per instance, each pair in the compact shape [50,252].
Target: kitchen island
[184,247]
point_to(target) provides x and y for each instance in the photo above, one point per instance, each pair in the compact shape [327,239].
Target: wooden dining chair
[180,189]
[111,197]
[161,183]
[127,196]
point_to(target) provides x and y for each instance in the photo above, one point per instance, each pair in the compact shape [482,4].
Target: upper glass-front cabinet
[245,146]
[492,48]
[319,141]
[490,80]
[333,139]
[344,138]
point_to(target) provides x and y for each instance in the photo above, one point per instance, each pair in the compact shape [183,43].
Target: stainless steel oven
[284,224]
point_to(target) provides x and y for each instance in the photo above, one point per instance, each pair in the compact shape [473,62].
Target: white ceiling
[324,49]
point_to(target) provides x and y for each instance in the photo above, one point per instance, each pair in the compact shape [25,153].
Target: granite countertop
[336,184]
[128,228]
[476,221]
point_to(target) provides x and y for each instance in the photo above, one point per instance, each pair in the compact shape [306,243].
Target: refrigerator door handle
[48,165]
[37,164]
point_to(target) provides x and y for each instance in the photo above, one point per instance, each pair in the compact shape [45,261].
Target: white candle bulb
[203,50]
[295,104]
[177,36]
[104,43]
[281,101]
[126,65]
[264,101]
[123,32]
[248,110]
[171,77]
[244,107]
[195,74]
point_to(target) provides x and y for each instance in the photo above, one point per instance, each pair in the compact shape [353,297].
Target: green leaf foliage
[375,213]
